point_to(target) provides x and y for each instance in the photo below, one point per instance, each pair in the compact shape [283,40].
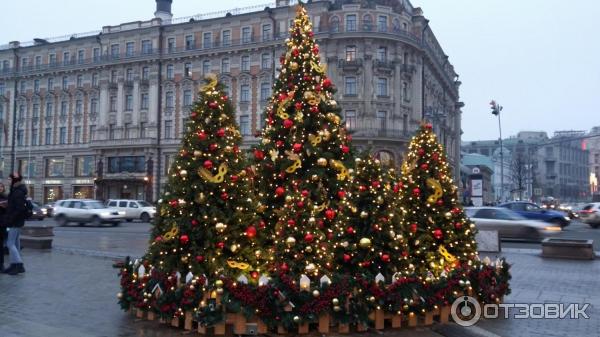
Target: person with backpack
[16,213]
[3,233]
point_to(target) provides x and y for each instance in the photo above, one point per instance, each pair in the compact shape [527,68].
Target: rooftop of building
[476,159]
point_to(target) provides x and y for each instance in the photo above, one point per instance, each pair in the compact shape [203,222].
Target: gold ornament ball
[379,200]
[337,308]
[308,249]
[220,226]
[257,253]
[291,241]
[218,283]
[392,234]
[184,259]
[310,267]
[365,243]
[316,293]
[296,319]
[294,66]
[183,173]
[333,103]
[288,198]
[364,214]
[448,215]
[234,248]
[314,177]
[335,301]
[312,220]
[220,291]
[197,153]
[372,299]
[322,162]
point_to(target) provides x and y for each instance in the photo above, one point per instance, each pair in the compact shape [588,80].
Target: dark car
[49,209]
[39,213]
[532,211]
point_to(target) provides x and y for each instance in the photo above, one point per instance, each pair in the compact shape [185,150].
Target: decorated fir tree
[439,235]
[303,159]
[372,242]
[207,223]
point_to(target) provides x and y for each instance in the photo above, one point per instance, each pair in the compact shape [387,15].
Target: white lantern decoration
[304,283]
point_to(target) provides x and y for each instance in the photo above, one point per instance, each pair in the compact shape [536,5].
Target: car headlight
[552,228]
[567,218]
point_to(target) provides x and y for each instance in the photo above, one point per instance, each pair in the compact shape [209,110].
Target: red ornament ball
[314,109]
[350,230]
[201,135]
[279,191]
[221,132]
[421,152]
[259,155]
[158,239]
[440,202]
[428,126]
[279,143]
[376,184]
[195,223]
[416,191]
[262,224]
[251,232]
[284,266]
[435,156]
[385,258]
[298,105]
[345,149]
[309,237]
[291,223]
[220,245]
[413,227]
[234,178]
[297,147]
[224,196]
[330,214]
[437,233]
[347,258]
[362,188]
[341,194]
[458,225]
[326,83]
[300,204]
[199,258]
[173,203]
[288,123]
[424,166]
[208,164]
[282,97]
[305,193]
[213,105]
[254,274]
[184,239]
[213,146]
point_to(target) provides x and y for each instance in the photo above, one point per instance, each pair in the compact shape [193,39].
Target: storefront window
[27,168]
[55,167]
[83,192]
[84,166]
[52,193]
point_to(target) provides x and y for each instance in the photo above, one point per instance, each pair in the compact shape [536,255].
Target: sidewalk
[66,294]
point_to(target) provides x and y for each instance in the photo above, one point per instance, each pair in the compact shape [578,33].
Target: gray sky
[540,59]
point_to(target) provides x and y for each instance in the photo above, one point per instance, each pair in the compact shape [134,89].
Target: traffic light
[495,108]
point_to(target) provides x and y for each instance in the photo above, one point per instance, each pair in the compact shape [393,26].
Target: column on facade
[104,107]
[396,94]
[153,107]
[417,90]
[135,116]
[120,103]
[368,87]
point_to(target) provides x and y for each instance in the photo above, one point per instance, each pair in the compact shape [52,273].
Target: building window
[382,120]
[350,119]
[49,109]
[382,23]
[351,23]
[126,130]
[127,164]
[114,76]
[55,167]
[146,46]
[145,73]
[92,135]
[226,88]
[65,82]
[246,35]
[404,26]
[96,55]
[22,111]
[207,40]
[94,106]
[34,137]
[113,103]
[225,65]
[367,22]
[245,93]
[334,23]
[405,91]
[94,79]
[20,134]
[142,130]
[226,38]
[111,131]
[63,109]
[382,86]
[265,91]
[187,97]
[168,129]
[79,81]
[129,75]
[169,102]
[405,124]
[266,32]
[52,59]
[81,56]
[62,135]
[48,136]
[36,110]
[245,125]
[36,86]
[170,72]
[23,85]
[189,42]
[350,53]
[114,51]
[78,107]
[145,101]
[187,69]
[405,58]
[265,61]
[27,168]
[84,166]
[245,63]
[66,58]
[38,62]
[382,54]
[77,135]
[128,102]
[171,44]
[350,86]
[205,67]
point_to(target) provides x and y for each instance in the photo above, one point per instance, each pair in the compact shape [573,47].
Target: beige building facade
[100,115]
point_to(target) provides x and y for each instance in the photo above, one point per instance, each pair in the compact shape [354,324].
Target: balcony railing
[362,132]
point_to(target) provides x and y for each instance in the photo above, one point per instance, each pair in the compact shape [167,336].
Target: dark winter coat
[3,199]
[16,209]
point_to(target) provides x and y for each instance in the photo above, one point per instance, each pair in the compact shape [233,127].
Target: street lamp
[496,108]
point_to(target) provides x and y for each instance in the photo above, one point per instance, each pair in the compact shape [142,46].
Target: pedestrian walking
[16,213]
[3,233]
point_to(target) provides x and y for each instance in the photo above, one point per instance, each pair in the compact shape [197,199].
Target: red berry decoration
[221,132]
[345,149]
[184,239]
[385,258]
[259,155]
[288,123]
[251,232]
[330,214]
[437,233]
[347,258]
[297,147]
[416,191]
[279,191]
[208,164]
[413,227]
[309,237]
[199,258]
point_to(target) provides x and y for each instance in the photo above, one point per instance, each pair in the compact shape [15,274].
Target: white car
[134,209]
[85,211]
[590,214]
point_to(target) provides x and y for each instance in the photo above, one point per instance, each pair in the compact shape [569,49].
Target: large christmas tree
[303,160]
[207,223]
[440,236]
